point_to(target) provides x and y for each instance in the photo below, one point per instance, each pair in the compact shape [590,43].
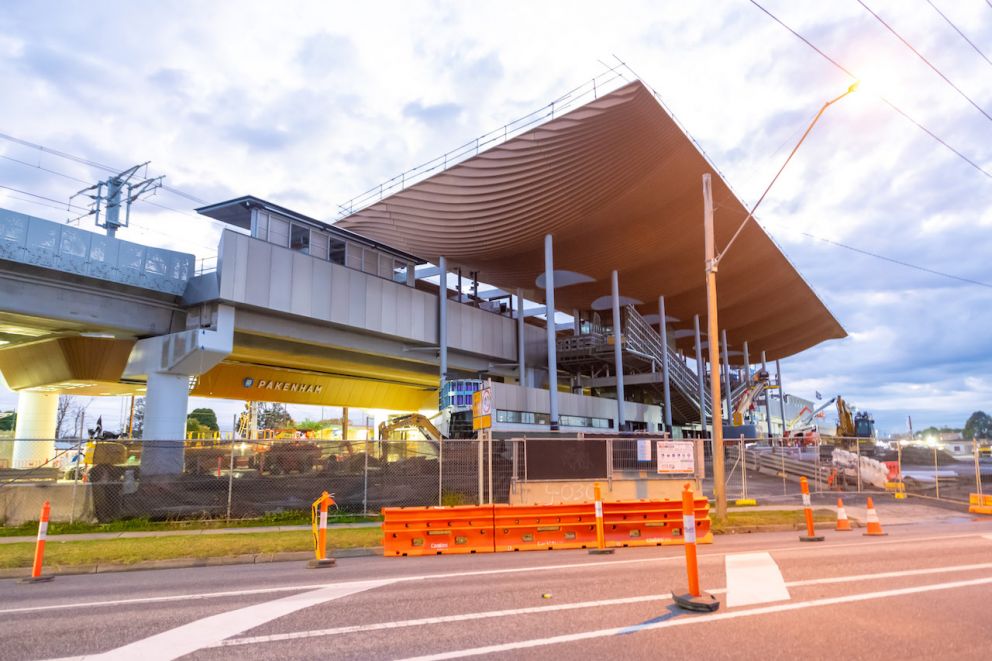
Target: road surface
[921,592]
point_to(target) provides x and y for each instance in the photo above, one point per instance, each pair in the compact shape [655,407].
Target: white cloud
[311,103]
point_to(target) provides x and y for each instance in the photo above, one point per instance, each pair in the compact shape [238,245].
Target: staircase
[640,337]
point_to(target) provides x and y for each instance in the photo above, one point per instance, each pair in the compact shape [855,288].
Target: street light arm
[719,256]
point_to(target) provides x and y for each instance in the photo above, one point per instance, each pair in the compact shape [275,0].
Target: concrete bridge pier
[166,401]
[34,432]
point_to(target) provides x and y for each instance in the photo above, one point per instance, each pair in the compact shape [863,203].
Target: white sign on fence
[643,450]
[676,457]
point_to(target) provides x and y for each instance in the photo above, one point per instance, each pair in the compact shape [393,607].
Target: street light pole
[712,263]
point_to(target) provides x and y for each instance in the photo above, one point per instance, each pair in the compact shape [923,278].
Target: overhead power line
[899,110]
[963,36]
[926,61]
[42,197]
[85,161]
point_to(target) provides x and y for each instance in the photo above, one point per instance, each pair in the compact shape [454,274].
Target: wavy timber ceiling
[619,186]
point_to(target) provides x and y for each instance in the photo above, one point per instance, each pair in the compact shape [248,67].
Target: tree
[61,413]
[8,419]
[206,417]
[979,425]
[274,416]
[139,417]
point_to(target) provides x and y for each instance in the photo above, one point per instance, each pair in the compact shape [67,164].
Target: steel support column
[442,318]
[521,340]
[666,385]
[781,393]
[701,374]
[618,347]
[768,394]
[549,296]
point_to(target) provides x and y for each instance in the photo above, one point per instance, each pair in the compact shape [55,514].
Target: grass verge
[292,518]
[131,551]
[769,518]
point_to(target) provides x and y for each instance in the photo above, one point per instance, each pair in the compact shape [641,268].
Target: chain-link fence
[764,467]
[225,480]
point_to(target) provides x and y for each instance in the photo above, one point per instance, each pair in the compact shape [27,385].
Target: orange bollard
[810,535]
[843,524]
[600,532]
[319,523]
[220,463]
[39,549]
[873,525]
[694,600]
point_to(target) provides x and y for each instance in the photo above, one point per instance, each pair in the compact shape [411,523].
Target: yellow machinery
[415,421]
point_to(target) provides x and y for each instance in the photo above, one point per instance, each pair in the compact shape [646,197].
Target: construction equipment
[804,421]
[860,425]
[412,421]
[759,381]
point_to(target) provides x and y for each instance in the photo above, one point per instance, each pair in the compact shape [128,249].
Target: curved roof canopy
[619,186]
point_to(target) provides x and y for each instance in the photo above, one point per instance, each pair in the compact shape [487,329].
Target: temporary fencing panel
[544,527]
[437,530]
[653,522]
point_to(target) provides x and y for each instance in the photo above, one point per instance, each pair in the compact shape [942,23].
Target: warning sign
[676,457]
[482,409]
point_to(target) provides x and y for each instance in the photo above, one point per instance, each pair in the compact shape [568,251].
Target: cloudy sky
[310,104]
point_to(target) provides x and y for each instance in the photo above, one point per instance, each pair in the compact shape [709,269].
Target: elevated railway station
[578,253]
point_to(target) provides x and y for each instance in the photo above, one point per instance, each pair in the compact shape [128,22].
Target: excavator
[415,421]
[858,425]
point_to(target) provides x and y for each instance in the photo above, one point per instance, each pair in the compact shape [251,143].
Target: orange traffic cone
[874,527]
[842,522]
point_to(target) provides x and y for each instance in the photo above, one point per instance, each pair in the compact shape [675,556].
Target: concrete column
[34,433]
[701,374]
[781,393]
[726,376]
[164,429]
[768,394]
[442,318]
[618,347]
[576,323]
[521,340]
[549,288]
[666,385]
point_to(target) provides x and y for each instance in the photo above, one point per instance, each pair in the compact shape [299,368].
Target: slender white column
[726,375]
[618,348]
[521,340]
[549,288]
[666,385]
[34,433]
[781,393]
[442,318]
[701,374]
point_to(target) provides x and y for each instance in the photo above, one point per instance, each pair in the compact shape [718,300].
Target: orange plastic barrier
[653,522]
[544,527]
[980,503]
[495,528]
[437,530]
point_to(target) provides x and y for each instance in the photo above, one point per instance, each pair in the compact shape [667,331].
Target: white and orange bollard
[318,516]
[810,535]
[843,523]
[39,549]
[873,527]
[694,600]
[600,527]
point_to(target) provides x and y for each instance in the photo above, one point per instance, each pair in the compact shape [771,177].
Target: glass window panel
[299,238]
[73,242]
[131,256]
[370,262]
[385,266]
[156,263]
[278,232]
[98,248]
[337,251]
[318,244]
[262,226]
[43,235]
[354,257]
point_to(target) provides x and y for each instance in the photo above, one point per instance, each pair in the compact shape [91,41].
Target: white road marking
[754,578]
[188,638]
[700,619]
[703,554]
[176,597]
[398,624]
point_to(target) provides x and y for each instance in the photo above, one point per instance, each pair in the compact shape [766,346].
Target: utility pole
[109,196]
[716,407]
